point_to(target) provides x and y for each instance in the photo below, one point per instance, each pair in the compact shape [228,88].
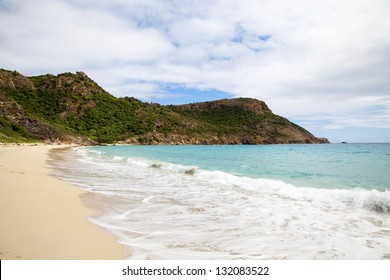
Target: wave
[165,210]
[373,200]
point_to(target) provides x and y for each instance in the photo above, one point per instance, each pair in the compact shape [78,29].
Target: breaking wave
[163,210]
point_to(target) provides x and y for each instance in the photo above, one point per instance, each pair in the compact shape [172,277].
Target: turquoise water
[318,166]
[239,202]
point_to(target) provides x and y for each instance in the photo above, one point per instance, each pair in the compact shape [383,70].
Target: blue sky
[323,64]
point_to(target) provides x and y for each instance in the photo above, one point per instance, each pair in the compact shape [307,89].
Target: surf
[166,210]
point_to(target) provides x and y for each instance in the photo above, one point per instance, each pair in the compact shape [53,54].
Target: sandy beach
[42,217]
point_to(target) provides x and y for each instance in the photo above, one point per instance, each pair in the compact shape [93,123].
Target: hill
[72,108]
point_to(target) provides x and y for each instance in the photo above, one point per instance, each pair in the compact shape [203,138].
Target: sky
[322,64]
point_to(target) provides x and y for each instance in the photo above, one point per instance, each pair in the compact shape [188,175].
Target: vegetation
[73,104]
[14,133]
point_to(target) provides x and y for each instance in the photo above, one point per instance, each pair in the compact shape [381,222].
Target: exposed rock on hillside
[73,108]
[14,113]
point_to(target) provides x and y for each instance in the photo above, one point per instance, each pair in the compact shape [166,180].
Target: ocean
[329,201]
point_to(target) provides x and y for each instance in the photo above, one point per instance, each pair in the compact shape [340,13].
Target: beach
[43,218]
[229,202]
[195,202]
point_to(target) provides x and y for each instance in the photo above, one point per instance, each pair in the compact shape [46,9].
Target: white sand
[42,217]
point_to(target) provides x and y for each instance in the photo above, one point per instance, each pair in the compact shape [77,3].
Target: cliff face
[246,121]
[241,104]
[73,108]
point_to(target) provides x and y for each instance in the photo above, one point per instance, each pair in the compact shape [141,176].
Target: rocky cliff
[73,108]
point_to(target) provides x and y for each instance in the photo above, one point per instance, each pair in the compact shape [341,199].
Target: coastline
[42,217]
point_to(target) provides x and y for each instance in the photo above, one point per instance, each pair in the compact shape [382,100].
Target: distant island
[72,108]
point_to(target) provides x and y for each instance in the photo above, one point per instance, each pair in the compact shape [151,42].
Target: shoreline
[43,218]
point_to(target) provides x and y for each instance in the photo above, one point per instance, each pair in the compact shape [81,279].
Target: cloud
[195,30]
[324,63]
[56,35]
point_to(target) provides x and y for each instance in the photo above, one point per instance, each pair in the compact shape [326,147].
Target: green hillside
[73,108]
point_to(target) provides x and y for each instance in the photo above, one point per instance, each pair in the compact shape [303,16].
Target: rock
[73,108]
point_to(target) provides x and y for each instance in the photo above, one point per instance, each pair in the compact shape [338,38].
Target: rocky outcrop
[245,121]
[14,80]
[13,112]
[73,108]
[246,104]
[175,139]
[78,83]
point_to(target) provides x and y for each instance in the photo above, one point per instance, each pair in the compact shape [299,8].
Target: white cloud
[323,61]
[54,35]
[195,30]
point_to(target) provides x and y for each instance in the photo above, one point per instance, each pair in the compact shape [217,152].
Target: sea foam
[163,210]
